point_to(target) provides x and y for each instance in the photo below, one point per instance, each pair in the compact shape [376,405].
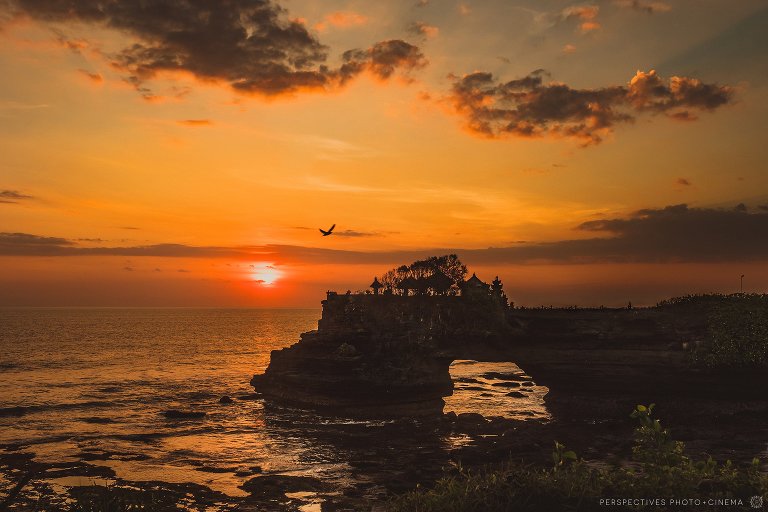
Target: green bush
[738,334]
[659,468]
[736,328]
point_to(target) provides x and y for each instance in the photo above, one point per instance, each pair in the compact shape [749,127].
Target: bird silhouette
[329,232]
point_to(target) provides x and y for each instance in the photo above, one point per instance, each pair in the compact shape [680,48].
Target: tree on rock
[436,275]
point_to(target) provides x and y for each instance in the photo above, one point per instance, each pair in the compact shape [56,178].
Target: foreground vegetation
[659,477]
[737,328]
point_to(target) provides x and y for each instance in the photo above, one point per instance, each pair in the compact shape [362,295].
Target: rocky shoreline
[403,454]
[390,359]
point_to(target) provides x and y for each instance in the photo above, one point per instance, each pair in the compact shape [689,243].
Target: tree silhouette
[448,264]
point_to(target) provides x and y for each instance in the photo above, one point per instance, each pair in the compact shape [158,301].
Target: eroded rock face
[389,356]
[382,356]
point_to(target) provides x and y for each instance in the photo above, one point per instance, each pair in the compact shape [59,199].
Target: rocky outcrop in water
[376,355]
[382,355]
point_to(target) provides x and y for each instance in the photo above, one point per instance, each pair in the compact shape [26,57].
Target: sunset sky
[185,152]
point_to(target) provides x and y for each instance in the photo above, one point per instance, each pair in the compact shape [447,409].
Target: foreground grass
[659,470]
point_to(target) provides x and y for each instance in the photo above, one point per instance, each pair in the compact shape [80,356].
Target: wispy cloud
[195,123]
[675,233]
[95,78]
[341,19]
[585,15]
[13,196]
[422,29]
[19,105]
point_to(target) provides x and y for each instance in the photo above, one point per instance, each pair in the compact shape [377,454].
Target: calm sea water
[98,381]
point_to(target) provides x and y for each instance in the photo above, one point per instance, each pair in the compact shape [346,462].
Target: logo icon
[756,501]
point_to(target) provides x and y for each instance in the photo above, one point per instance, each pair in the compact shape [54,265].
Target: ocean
[94,384]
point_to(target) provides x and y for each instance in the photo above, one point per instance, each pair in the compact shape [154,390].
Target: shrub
[660,468]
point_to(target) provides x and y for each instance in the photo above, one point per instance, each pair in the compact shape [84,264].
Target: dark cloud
[251,45]
[23,244]
[658,235]
[382,60]
[13,196]
[529,107]
[422,29]
[646,6]
[680,233]
[93,77]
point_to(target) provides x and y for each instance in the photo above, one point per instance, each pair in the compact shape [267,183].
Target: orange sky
[182,159]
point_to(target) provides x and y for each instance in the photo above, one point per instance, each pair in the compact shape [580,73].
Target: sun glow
[265,273]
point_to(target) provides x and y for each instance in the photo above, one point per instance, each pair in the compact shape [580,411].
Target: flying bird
[329,232]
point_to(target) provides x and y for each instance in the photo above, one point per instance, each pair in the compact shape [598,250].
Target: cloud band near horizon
[674,234]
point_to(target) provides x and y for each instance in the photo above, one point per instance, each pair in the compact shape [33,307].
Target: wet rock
[253,470]
[62,469]
[506,384]
[225,400]
[516,394]
[215,469]
[468,380]
[94,456]
[275,486]
[178,414]
[528,384]
[470,419]
[502,376]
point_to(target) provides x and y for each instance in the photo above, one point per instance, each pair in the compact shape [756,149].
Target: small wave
[6,412]
[97,420]
[185,415]
[20,410]
[110,389]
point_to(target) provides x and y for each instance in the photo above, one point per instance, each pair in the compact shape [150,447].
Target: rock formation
[389,355]
[382,355]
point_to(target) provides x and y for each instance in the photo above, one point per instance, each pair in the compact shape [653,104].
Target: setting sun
[265,273]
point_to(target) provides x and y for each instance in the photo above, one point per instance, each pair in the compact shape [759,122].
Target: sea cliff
[383,355]
[389,355]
